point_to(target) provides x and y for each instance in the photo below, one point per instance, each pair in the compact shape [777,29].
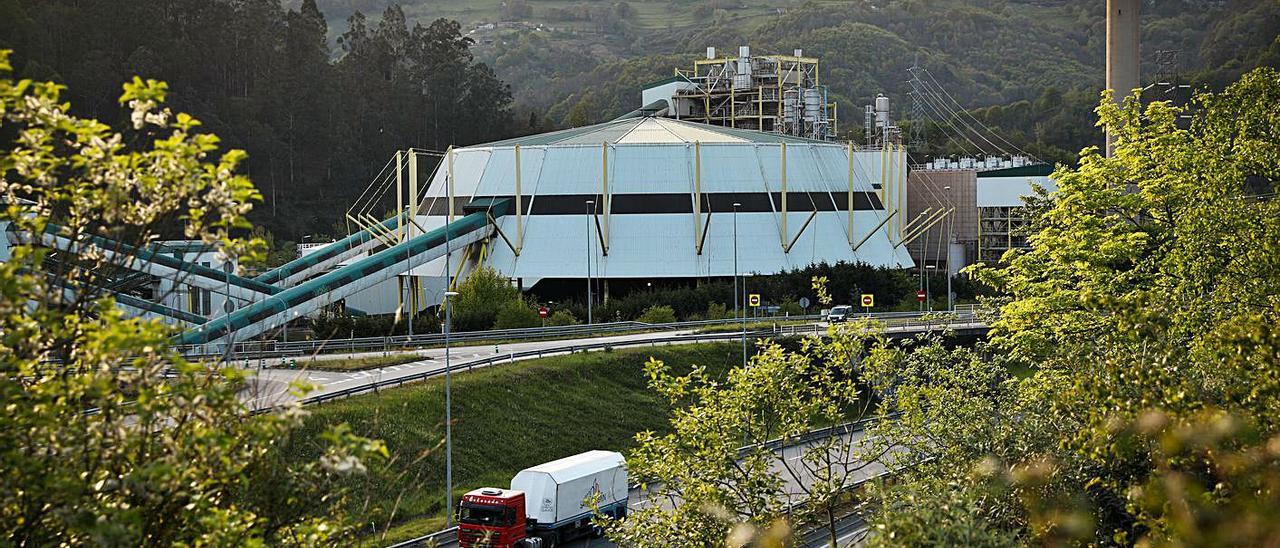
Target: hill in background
[574,62]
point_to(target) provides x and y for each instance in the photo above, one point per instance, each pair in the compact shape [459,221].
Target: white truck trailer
[546,504]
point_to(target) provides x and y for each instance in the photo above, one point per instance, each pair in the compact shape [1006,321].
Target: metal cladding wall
[652,229]
[928,189]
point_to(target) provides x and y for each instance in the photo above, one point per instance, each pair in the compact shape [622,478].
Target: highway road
[269,387]
[789,467]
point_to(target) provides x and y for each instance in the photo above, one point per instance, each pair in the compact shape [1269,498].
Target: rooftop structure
[770,93]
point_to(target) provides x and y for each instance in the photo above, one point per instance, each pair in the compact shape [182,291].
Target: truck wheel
[596,531]
[550,540]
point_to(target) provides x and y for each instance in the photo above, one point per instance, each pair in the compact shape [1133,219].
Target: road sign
[543,312]
[868,300]
[753,299]
[920,295]
[804,302]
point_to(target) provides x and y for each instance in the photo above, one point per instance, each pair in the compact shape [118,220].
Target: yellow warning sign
[753,299]
[868,300]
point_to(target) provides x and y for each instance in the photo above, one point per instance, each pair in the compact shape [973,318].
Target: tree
[712,489]
[479,299]
[110,436]
[263,77]
[516,314]
[1146,314]
[1128,393]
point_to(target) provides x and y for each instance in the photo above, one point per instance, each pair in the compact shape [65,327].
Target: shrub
[480,298]
[516,314]
[658,314]
[562,317]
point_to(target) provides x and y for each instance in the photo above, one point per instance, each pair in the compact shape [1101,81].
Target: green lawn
[507,418]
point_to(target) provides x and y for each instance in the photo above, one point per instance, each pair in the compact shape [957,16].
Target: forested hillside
[318,121]
[1034,67]
[321,92]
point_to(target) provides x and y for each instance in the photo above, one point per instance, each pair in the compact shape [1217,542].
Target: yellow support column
[402,228]
[850,204]
[400,192]
[413,193]
[408,227]
[901,198]
[604,198]
[519,207]
[697,195]
[449,179]
[784,194]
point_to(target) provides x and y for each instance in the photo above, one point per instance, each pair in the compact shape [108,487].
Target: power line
[933,95]
[974,118]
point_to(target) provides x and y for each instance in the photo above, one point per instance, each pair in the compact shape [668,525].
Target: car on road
[839,314]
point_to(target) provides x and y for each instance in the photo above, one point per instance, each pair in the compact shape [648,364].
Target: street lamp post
[950,239]
[448,380]
[448,410]
[927,297]
[227,305]
[590,210]
[743,317]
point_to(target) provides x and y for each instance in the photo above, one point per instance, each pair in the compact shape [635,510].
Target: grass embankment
[400,355]
[362,363]
[506,418]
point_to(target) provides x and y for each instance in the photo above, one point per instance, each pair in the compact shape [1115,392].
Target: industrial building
[659,198]
[989,210]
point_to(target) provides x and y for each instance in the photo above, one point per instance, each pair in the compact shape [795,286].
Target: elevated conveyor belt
[297,270]
[168,267]
[147,309]
[339,284]
[136,307]
[157,264]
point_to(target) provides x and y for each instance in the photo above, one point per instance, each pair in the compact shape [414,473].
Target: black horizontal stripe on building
[718,202]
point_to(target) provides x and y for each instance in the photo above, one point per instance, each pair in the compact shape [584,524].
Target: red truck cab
[491,517]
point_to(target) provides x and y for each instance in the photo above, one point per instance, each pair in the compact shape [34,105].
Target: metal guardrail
[271,348]
[583,347]
[513,356]
[256,349]
[437,538]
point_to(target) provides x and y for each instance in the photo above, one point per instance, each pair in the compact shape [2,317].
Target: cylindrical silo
[882,111]
[812,104]
[790,107]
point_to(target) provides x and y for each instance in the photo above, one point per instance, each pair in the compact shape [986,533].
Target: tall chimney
[1123,72]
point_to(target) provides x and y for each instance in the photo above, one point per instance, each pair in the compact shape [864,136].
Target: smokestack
[1123,72]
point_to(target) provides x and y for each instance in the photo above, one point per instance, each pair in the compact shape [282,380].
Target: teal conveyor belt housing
[159,264]
[215,281]
[299,269]
[336,285]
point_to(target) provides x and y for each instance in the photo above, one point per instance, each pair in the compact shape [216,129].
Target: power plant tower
[1123,71]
